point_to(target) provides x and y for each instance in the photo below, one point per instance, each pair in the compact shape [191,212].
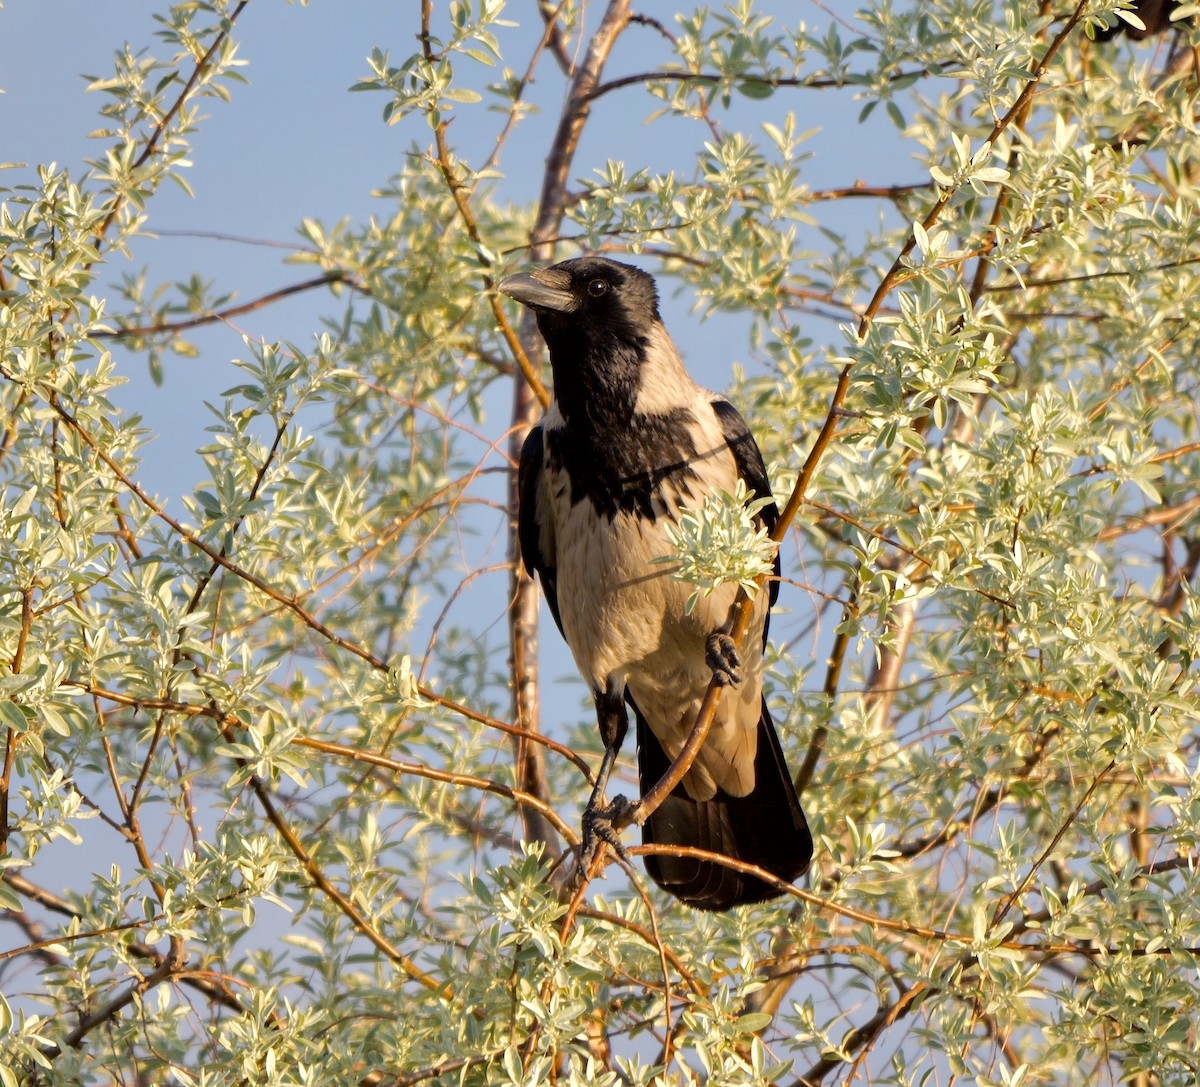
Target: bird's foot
[721,655]
[600,824]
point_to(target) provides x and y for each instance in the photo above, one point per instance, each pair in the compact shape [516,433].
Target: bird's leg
[721,655]
[598,817]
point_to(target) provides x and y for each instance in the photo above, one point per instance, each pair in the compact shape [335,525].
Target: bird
[628,445]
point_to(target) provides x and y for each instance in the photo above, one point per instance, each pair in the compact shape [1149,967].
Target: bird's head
[599,319]
[588,298]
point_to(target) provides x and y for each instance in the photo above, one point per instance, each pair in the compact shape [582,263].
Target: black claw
[721,654]
[598,826]
[621,811]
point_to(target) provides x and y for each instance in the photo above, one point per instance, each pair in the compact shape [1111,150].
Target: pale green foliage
[266,708]
[721,543]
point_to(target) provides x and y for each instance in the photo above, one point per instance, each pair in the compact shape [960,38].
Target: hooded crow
[630,443]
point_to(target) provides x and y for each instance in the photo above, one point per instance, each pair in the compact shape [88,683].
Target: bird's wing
[531,515]
[751,471]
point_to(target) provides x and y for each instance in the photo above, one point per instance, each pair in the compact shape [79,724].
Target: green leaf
[758,89]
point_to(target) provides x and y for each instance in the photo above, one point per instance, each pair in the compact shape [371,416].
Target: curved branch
[447,777]
[805,83]
[217,316]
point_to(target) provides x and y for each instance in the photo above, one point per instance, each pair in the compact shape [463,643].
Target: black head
[590,298]
[597,317]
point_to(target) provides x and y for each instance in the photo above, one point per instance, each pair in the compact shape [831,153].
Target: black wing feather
[529,534]
[753,472]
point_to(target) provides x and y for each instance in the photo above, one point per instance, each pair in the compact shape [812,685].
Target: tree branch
[217,316]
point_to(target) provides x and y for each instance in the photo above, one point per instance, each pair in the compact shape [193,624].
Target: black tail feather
[765,828]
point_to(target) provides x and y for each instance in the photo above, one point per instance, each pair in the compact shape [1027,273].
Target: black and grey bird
[630,443]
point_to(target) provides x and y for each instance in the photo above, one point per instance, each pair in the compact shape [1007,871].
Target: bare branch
[219,316]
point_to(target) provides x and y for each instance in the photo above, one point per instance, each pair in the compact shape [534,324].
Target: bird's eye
[597,287]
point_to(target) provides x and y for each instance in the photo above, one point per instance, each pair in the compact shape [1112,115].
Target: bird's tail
[764,828]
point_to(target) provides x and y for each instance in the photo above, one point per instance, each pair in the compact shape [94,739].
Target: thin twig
[218,316]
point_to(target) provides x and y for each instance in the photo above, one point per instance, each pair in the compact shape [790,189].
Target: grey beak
[543,288]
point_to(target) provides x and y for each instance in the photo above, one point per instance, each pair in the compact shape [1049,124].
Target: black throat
[613,455]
